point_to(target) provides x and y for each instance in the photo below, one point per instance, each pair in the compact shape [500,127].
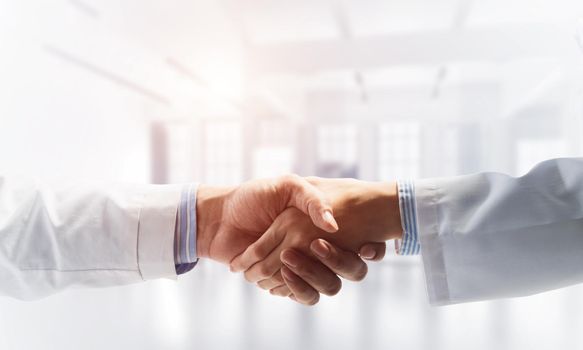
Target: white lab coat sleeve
[489,235]
[52,238]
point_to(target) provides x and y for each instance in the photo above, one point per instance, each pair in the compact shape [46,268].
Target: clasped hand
[296,236]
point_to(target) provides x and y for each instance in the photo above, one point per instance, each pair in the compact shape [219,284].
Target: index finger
[257,251]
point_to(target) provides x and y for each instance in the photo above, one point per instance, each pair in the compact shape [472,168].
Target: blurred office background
[220,91]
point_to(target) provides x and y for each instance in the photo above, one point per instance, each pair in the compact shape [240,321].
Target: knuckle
[264,271]
[309,271]
[312,204]
[254,254]
[257,253]
[289,179]
[304,269]
[273,240]
[336,263]
[278,278]
[300,241]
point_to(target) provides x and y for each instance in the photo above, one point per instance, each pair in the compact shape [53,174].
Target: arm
[58,237]
[484,236]
[490,235]
[52,238]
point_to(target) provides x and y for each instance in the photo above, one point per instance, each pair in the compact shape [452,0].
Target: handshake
[295,236]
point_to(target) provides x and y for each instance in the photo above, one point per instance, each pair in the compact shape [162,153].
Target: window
[337,144]
[337,150]
[171,152]
[399,151]
[449,154]
[223,152]
[273,153]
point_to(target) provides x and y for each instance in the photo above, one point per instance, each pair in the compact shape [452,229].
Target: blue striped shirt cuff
[185,257]
[409,244]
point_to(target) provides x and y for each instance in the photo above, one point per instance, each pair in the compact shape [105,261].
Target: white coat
[489,235]
[60,237]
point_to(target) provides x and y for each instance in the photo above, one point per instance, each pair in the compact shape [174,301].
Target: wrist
[389,210]
[209,213]
[367,209]
[382,202]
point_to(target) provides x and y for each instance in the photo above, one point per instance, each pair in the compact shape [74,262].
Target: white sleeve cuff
[156,227]
[427,195]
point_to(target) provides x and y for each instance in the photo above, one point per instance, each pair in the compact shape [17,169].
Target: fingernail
[329,218]
[368,254]
[321,249]
[290,258]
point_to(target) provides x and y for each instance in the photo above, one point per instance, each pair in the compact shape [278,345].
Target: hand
[232,218]
[303,278]
[367,212]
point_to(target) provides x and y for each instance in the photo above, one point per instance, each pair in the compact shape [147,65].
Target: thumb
[310,200]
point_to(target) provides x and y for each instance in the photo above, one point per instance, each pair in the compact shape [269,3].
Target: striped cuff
[409,244]
[185,233]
